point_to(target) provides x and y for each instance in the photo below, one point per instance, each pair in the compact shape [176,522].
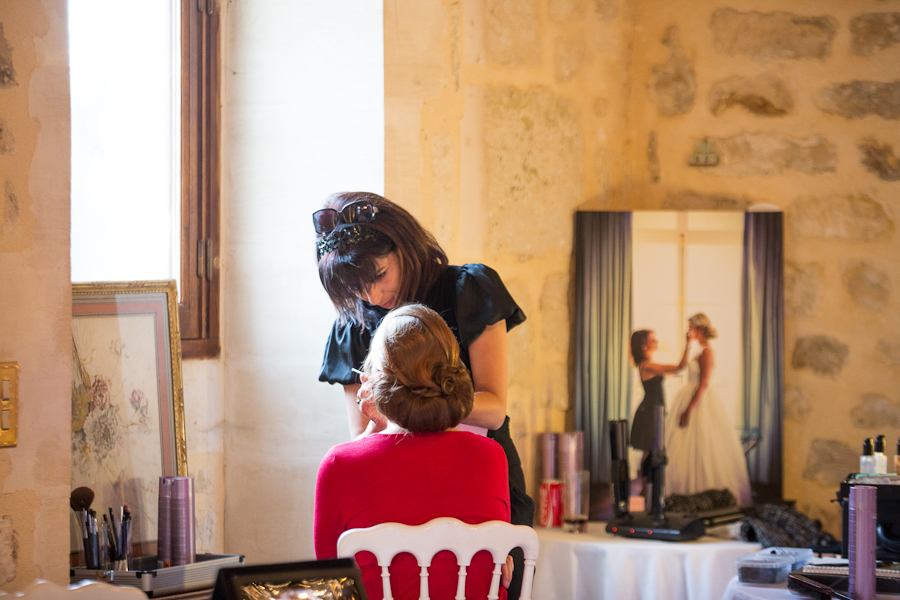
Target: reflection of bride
[703,448]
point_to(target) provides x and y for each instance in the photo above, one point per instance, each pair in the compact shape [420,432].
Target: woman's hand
[687,348]
[358,422]
[506,572]
[366,405]
[685,417]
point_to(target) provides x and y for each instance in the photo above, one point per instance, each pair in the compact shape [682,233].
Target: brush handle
[81,517]
[94,542]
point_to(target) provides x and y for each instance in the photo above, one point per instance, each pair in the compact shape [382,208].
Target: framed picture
[127,397]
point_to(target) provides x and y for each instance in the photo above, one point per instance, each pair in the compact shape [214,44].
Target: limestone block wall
[35,296]
[802,104]
[501,118]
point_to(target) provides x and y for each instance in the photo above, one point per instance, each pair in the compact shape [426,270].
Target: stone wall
[803,110]
[502,118]
[35,296]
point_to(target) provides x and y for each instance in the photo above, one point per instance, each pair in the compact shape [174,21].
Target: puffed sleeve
[346,349]
[482,300]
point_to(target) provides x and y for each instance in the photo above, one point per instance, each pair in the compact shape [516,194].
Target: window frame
[198,306]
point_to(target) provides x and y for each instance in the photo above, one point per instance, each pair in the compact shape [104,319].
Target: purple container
[549,455]
[163,523]
[571,452]
[863,517]
[181,520]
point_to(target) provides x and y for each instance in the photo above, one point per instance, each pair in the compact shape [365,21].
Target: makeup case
[157,582]
[887,532]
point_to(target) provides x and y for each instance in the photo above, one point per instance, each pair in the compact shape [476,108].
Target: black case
[888,509]
[230,580]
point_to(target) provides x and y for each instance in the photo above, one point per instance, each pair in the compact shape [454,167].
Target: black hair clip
[346,236]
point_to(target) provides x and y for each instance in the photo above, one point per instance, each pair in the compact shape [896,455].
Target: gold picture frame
[127,396]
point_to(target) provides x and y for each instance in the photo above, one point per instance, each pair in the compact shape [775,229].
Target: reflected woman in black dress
[374,256]
[643,427]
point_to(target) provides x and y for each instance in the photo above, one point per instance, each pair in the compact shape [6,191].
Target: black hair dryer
[618,439]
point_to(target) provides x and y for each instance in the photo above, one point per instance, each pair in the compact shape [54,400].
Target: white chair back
[424,541]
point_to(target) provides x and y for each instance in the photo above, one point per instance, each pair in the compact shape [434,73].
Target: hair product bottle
[867,460]
[880,456]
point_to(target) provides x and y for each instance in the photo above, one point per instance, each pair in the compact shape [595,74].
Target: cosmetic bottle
[880,456]
[867,460]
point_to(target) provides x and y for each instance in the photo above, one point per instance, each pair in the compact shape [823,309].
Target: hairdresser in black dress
[643,427]
[374,256]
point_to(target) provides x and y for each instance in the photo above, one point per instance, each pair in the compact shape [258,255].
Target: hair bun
[447,378]
[431,390]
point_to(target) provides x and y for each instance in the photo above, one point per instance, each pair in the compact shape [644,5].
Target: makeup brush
[81,498]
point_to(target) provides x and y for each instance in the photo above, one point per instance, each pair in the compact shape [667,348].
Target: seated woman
[420,466]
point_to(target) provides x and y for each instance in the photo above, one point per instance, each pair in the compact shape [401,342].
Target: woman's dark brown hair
[348,270]
[638,341]
[421,384]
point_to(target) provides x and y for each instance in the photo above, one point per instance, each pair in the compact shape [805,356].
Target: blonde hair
[423,385]
[702,322]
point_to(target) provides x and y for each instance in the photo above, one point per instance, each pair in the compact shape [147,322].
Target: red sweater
[412,479]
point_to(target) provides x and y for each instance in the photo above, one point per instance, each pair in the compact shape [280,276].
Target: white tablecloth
[774,591]
[596,565]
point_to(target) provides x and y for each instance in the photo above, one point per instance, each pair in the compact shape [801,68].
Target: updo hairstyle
[701,322]
[347,271]
[638,341]
[423,385]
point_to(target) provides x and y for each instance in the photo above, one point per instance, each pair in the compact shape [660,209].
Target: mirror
[653,270]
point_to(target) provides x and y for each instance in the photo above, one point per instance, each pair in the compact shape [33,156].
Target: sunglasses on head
[327,219]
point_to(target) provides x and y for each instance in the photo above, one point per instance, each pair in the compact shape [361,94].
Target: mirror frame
[158,351]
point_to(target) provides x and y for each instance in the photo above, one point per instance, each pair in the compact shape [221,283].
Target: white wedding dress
[707,454]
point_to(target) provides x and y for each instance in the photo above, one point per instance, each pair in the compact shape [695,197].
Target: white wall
[303,116]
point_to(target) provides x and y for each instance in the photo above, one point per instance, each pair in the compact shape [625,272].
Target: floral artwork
[96,422]
[115,414]
[127,399]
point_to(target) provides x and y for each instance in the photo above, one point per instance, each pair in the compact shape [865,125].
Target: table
[597,565]
[773,591]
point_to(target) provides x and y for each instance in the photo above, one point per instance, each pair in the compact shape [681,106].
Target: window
[199,306]
[145,152]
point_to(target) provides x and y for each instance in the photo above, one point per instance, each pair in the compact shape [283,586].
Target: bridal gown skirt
[707,454]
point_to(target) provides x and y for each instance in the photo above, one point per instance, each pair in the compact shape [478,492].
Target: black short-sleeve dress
[643,426]
[469,298]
